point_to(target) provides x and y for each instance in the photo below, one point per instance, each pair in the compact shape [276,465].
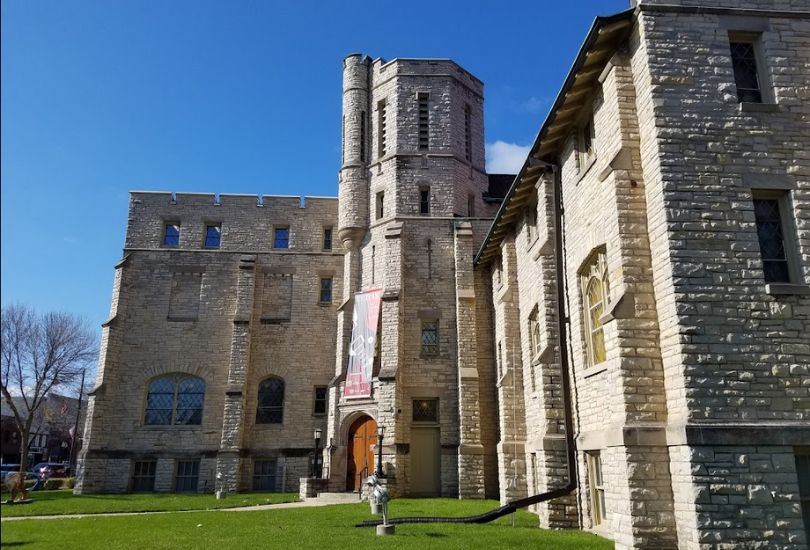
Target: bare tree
[38,354]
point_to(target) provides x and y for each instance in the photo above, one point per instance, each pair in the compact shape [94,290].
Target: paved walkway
[299,504]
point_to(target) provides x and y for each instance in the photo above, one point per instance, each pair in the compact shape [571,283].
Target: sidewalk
[300,504]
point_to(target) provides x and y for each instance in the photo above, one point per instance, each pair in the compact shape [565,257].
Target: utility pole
[73,448]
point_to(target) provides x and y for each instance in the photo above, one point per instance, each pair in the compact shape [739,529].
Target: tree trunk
[24,435]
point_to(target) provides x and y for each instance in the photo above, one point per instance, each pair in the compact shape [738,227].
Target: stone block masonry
[688,366]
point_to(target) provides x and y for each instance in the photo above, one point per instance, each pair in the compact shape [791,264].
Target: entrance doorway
[425,462]
[360,462]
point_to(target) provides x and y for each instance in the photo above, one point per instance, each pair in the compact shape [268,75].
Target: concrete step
[338,498]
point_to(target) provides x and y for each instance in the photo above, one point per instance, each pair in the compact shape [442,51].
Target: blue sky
[99,98]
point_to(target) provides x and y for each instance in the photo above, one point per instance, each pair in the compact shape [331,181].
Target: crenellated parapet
[246,223]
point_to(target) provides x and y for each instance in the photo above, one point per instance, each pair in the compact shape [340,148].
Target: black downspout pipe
[570,443]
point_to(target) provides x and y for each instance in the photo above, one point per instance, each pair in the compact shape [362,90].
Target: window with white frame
[597,487]
[595,298]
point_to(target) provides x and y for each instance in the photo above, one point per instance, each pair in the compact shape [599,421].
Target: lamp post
[380,434]
[316,471]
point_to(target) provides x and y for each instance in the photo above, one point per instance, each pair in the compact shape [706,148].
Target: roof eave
[600,23]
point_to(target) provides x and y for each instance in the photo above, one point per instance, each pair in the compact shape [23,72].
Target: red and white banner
[364,340]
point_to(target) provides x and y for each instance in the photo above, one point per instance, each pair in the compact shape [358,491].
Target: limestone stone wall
[143,339]
[734,347]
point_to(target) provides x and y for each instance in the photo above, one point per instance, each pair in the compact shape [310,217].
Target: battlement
[247,222]
[437,67]
[227,199]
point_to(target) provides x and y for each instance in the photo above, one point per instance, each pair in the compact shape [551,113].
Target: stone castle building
[626,322]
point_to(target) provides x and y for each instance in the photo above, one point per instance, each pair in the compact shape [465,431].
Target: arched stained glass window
[270,409]
[175,399]
[596,297]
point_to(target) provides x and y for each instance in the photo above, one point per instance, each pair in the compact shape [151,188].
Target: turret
[353,183]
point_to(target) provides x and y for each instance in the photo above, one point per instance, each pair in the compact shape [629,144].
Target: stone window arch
[270,407]
[175,399]
[595,288]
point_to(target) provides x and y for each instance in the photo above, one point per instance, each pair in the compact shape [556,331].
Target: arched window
[595,298]
[271,402]
[175,399]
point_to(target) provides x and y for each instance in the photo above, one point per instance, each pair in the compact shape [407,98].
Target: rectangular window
[143,476]
[499,361]
[598,510]
[467,133]
[171,234]
[470,205]
[534,332]
[586,139]
[771,209]
[803,473]
[281,237]
[187,477]
[362,136]
[382,113]
[424,122]
[744,63]
[425,410]
[326,290]
[430,337]
[380,204]
[264,475]
[424,200]
[327,238]
[320,400]
[531,223]
[213,234]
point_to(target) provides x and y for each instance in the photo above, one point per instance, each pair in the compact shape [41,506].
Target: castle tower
[412,183]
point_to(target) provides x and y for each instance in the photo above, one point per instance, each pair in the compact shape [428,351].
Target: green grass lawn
[49,503]
[330,527]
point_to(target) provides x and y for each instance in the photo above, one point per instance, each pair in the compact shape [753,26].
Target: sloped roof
[602,40]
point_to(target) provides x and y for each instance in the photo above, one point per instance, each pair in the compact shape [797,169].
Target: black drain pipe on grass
[570,445]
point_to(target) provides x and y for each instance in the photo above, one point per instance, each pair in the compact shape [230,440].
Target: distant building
[635,298]
[51,434]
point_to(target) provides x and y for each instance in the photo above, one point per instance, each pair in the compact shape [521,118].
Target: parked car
[54,469]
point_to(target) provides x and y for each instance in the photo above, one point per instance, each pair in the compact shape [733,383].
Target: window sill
[325,304]
[425,355]
[172,427]
[782,289]
[750,107]
[593,371]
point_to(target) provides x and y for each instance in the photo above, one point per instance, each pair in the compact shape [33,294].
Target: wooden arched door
[361,442]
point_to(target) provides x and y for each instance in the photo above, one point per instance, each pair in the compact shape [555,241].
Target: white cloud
[505,158]
[534,104]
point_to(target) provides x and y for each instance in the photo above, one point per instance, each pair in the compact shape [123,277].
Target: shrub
[57,483]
